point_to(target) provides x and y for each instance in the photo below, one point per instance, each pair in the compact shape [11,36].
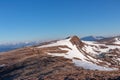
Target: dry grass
[34,64]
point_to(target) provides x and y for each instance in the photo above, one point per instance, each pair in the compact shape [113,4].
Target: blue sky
[50,19]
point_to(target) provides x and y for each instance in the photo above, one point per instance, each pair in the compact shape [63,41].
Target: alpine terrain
[67,59]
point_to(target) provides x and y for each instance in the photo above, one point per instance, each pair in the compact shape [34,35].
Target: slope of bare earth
[34,64]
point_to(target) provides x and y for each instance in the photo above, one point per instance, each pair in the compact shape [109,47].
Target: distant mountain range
[12,46]
[92,38]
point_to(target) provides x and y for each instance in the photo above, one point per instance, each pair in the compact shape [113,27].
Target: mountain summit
[76,41]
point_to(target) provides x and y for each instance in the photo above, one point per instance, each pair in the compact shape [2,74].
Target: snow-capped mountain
[92,38]
[66,58]
[86,54]
[102,54]
[111,40]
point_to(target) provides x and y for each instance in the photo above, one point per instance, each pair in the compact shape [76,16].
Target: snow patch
[91,66]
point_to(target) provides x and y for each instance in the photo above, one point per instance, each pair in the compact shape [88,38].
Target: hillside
[67,59]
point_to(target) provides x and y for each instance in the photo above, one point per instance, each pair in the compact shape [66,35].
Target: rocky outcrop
[76,41]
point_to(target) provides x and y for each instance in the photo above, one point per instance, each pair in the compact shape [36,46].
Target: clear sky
[46,19]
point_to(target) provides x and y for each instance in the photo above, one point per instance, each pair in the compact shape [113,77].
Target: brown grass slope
[34,64]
